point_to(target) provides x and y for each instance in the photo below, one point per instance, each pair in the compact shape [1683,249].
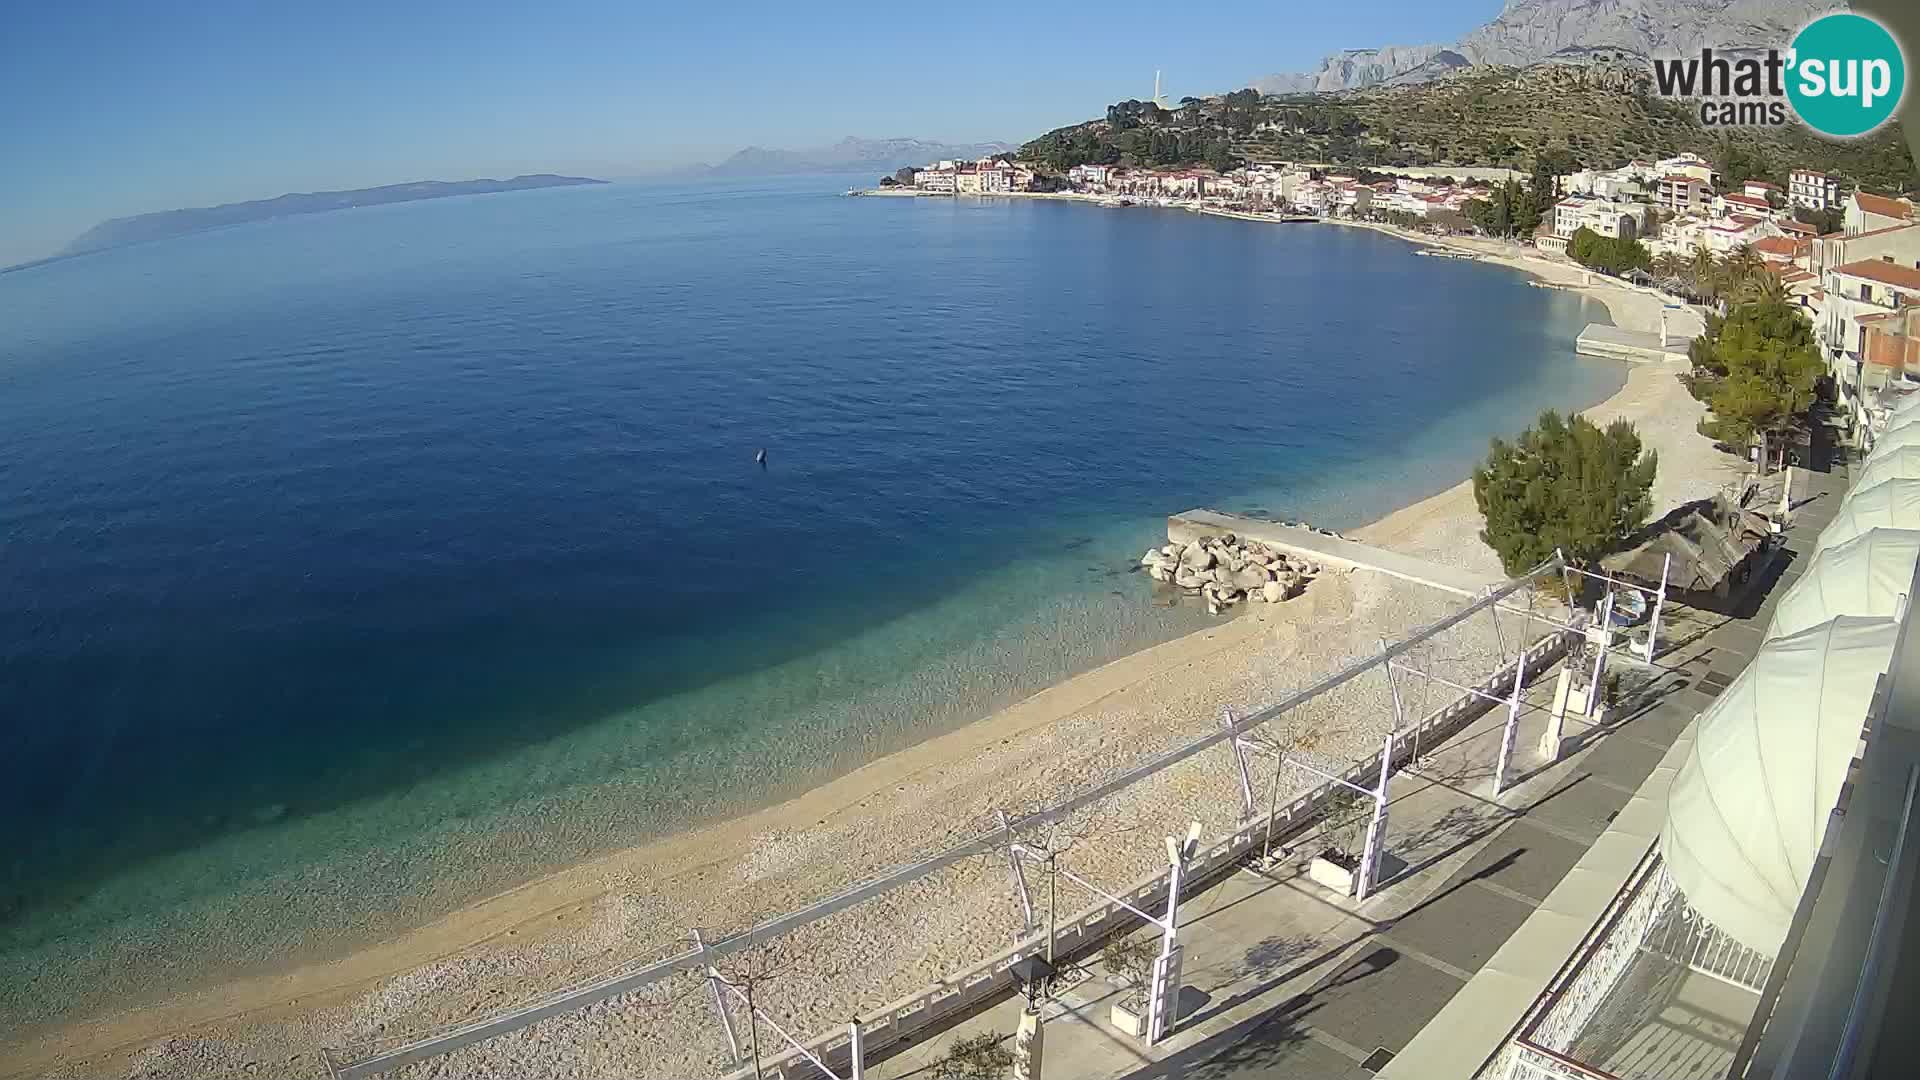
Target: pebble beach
[644,902]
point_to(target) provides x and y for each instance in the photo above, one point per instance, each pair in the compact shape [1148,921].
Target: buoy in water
[760,458]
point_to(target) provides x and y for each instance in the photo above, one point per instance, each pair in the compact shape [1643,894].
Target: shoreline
[597,900]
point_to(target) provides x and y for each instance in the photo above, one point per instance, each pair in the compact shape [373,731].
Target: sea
[358,565]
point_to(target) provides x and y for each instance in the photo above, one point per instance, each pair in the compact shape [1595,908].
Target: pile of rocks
[1226,570]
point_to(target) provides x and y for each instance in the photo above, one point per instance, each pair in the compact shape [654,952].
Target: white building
[1608,218]
[1813,190]
[1686,165]
[1682,193]
[1867,212]
[1090,176]
[1625,183]
[935,180]
[1740,202]
[1861,296]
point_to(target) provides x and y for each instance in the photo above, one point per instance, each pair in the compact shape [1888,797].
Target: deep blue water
[355,564]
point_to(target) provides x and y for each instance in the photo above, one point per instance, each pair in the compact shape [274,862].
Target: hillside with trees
[1598,116]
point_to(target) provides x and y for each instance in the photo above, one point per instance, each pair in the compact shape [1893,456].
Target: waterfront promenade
[1286,979]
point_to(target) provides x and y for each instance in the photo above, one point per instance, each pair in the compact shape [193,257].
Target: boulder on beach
[1274,592]
[1196,557]
[1250,577]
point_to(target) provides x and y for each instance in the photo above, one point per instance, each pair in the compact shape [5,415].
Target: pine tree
[1563,485]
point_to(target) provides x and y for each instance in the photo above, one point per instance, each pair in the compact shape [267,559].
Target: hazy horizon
[219,102]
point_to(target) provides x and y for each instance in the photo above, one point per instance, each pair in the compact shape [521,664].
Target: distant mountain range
[1572,31]
[848,155]
[119,232]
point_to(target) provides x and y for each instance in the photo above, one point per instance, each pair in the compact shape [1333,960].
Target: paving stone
[1380,999]
[1461,924]
[1526,859]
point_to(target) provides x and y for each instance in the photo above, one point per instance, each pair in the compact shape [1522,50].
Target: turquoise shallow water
[361,564]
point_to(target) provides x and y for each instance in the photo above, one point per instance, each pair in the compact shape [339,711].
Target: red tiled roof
[1675,178]
[1745,221]
[1881,231]
[1778,245]
[1883,206]
[1800,227]
[1904,277]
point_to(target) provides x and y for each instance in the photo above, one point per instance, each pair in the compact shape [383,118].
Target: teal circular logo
[1846,75]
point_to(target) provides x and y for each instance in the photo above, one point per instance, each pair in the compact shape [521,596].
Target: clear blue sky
[117,107]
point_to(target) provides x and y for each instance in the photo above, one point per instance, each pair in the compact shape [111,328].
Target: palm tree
[1669,267]
[1704,272]
[1742,265]
[1764,287]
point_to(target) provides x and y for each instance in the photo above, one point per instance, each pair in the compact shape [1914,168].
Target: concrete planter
[1333,874]
[1130,1016]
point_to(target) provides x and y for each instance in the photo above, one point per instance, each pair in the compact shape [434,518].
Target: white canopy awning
[1891,504]
[1865,576]
[1902,431]
[1907,408]
[1749,806]
[1899,463]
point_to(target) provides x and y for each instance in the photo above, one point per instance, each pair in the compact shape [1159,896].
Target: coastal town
[1848,259]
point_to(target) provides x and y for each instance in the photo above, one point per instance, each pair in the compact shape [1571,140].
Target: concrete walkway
[1613,343]
[1327,550]
[1286,979]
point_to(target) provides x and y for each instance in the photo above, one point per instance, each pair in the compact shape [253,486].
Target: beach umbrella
[1869,575]
[1893,504]
[1749,805]
[1898,463]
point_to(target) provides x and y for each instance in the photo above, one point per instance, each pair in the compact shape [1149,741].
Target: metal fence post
[1377,828]
[1019,875]
[1512,730]
[1659,601]
[719,1000]
[1240,763]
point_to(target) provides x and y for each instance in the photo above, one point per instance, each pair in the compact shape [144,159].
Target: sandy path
[640,902]
[1446,527]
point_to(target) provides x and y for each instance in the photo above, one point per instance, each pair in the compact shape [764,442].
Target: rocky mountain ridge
[1530,32]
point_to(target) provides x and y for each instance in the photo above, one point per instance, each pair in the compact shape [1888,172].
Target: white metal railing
[1580,996]
[1083,930]
[1684,936]
[1540,1047]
